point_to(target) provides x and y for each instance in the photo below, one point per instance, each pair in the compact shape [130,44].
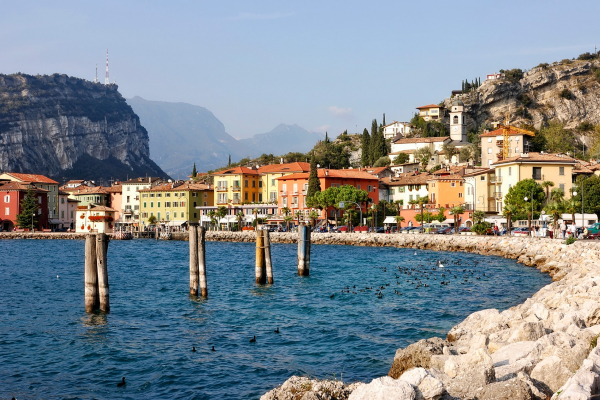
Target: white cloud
[340,112]
[322,128]
[256,16]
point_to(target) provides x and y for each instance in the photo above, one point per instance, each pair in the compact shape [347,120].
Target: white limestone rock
[384,388]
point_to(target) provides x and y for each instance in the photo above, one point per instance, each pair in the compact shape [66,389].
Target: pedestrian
[563,230]
[495,230]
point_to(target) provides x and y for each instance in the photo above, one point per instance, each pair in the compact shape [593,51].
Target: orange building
[446,190]
[292,188]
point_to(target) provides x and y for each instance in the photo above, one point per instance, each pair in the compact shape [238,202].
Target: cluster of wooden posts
[96,273]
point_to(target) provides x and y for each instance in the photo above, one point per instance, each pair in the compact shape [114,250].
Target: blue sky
[324,65]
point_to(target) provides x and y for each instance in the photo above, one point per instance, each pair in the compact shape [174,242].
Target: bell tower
[458,122]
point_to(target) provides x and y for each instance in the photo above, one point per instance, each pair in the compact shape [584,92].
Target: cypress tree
[383,119]
[326,138]
[365,145]
[229,162]
[29,210]
[314,184]
[194,172]
[374,142]
[463,85]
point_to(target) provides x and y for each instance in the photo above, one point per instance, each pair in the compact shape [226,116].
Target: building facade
[41,182]
[431,112]
[11,195]
[492,145]
[130,199]
[237,185]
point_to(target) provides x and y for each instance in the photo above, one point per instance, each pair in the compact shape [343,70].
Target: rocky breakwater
[544,348]
[41,235]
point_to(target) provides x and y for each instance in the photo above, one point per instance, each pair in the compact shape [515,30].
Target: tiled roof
[454,169]
[422,140]
[480,172]
[376,171]
[74,181]
[102,208]
[19,186]
[500,132]
[178,187]
[146,180]
[407,179]
[290,167]
[333,173]
[430,106]
[237,171]
[88,190]
[114,189]
[402,152]
[539,157]
[449,177]
[33,178]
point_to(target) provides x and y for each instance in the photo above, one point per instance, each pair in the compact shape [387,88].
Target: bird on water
[440,264]
[193,349]
[253,340]
[122,383]
[213,349]
[276,330]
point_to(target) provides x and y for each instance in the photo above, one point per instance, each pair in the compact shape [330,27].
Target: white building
[99,219]
[131,199]
[391,130]
[410,145]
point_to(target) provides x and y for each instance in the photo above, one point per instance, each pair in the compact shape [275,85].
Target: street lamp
[32,228]
[575,194]
[342,206]
[531,215]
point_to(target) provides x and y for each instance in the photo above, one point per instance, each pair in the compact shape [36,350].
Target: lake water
[50,348]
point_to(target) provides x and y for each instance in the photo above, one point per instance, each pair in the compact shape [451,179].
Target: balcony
[495,179]
[304,193]
[219,189]
[127,210]
[498,195]
[236,188]
[235,201]
[282,193]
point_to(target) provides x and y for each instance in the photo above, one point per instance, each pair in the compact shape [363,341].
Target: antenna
[106,81]
[96,79]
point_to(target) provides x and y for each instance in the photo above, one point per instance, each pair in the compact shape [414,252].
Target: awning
[389,220]
[176,222]
[54,222]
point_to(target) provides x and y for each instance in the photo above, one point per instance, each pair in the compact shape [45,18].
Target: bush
[402,158]
[435,168]
[586,56]
[524,99]
[566,61]
[597,74]
[481,228]
[585,126]
[543,65]
[513,75]
[382,162]
[566,94]
[570,240]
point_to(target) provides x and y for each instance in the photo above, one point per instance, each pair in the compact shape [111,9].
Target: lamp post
[575,194]
[531,215]
[342,205]
[32,228]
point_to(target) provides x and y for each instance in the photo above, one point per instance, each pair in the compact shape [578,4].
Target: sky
[324,65]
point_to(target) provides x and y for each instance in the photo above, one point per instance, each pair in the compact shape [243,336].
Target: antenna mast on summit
[96,79]
[106,82]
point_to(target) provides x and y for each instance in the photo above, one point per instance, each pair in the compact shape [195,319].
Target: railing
[219,189]
[136,207]
[468,207]
[236,188]
[495,179]
[282,193]
[498,195]
[235,201]
[304,193]
[537,177]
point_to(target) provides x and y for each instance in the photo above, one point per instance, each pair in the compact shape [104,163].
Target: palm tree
[287,219]
[456,211]
[557,194]
[298,214]
[221,213]
[555,209]
[421,201]
[213,217]
[373,210]
[313,215]
[509,211]
[255,212]
[399,219]
[286,211]
[571,207]
[547,185]
[240,218]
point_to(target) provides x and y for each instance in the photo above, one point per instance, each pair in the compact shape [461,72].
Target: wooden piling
[260,257]
[91,274]
[193,237]
[101,257]
[202,261]
[303,250]
[268,264]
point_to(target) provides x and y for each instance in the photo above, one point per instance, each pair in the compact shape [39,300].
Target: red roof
[500,132]
[430,106]
[333,173]
[237,171]
[290,167]
[33,178]
[20,187]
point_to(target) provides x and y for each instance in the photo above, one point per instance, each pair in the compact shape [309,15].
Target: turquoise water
[50,348]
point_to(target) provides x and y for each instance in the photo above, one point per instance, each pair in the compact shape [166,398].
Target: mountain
[66,127]
[182,134]
[567,91]
[282,139]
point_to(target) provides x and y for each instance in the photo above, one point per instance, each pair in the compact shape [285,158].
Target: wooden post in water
[91,274]
[202,261]
[193,237]
[303,250]
[157,230]
[268,265]
[260,257]
[101,256]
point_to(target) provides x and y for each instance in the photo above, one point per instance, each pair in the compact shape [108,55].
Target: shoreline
[544,347]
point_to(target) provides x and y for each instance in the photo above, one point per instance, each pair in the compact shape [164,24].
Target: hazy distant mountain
[182,134]
[282,139]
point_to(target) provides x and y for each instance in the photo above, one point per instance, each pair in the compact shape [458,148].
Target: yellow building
[556,168]
[431,112]
[174,203]
[237,186]
[269,174]
[480,191]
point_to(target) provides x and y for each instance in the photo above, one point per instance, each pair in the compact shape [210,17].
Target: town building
[94,196]
[41,182]
[236,214]
[431,112]
[406,187]
[494,76]
[396,128]
[269,174]
[94,219]
[446,190]
[12,194]
[492,145]
[293,189]
[115,200]
[458,124]
[556,168]
[480,190]
[174,204]
[67,207]
[130,201]
[405,168]
[237,185]
[411,145]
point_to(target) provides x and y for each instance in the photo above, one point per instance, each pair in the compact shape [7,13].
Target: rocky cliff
[66,127]
[567,91]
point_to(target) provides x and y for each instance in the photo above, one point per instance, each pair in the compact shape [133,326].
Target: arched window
[455,119]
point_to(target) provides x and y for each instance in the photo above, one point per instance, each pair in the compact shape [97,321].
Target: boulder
[511,389]
[298,387]
[527,331]
[512,353]
[469,373]
[427,386]
[416,355]
[552,372]
[509,371]
[484,321]
[384,388]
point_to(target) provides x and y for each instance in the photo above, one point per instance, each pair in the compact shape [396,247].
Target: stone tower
[458,122]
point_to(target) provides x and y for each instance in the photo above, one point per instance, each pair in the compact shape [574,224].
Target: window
[181,194]
[482,177]
[167,194]
[195,215]
[253,196]
[260,197]
[7,211]
[195,194]
[562,187]
[159,195]
[167,204]
[72,215]
[246,196]
[490,150]
[401,189]
[40,200]
[145,195]
[128,188]
[294,202]
[168,217]
[144,215]
[62,200]
[460,195]
[272,181]
[182,204]
[246,183]
[509,171]
[452,184]
[410,197]
[455,119]
[369,188]
[158,215]
[284,187]
[151,194]
[7,199]
[392,191]
[176,204]
[260,183]
[358,187]
[561,170]
[489,140]
[62,214]
[158,204]
[537,173]
[253,184]
[194,204]
[284,201]
[151,204]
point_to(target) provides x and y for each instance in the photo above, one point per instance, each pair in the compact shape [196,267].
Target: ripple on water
[49,345]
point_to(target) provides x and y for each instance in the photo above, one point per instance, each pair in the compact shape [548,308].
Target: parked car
[445,231]
[594,228]
[380,229]
[522,231]
[464,229]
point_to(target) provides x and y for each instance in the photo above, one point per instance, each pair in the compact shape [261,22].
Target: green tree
[314,184]
[399,219]
[28,218]
[212,214]
[313,215]
[456,211]
[229,162]
[555,209]
[547,185]
[478,216]
[423,156]
[590,187]
[557,138]
[287,219]
[221,213]
[557,194]
[509,211]
[151,219]
[365,157]
[523,189]
[449,150]
[469,152]
[240,218]
[441,215]
[401,158]
[382,162]
[298,215]
[194,172]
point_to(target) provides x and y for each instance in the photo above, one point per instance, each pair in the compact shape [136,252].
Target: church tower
[458,122]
